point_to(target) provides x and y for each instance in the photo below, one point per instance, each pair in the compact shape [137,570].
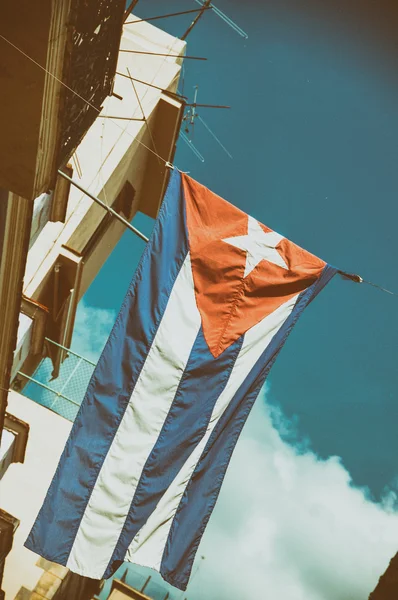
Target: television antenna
[189,120]
[204,4]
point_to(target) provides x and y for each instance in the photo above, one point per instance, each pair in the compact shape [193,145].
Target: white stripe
[148,545]
[138,431]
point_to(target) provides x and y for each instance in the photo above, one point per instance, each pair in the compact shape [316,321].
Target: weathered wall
[24,486]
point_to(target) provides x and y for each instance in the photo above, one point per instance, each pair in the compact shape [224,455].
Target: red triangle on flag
[242,270]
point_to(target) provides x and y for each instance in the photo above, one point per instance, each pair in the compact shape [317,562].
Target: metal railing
[137,580]
[65,394]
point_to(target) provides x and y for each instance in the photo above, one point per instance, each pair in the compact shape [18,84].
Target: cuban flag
[210,306]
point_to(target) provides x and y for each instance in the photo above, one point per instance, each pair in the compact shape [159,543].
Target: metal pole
[176,14]
[105,206]
[164,54]
[46,387]
[146,583]
[130,8]
[205,6]
[156,87]
[194,105]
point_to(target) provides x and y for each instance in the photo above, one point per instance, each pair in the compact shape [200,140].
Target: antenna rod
[164,54]
[130,8]
[206,6]
[183,12]
[194,104]
[146,583]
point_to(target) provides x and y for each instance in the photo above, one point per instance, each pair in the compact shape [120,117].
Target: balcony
[64,394]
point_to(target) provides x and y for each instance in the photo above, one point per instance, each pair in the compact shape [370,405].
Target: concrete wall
[24,486]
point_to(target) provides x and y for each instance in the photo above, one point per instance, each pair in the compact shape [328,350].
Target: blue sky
[313,130]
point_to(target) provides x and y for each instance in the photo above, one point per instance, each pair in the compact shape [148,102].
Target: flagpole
[105,206]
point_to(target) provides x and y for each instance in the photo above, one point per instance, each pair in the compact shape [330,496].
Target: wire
[193,148]
[184,56]
[142,111]
[359,279]
[214,136]
[155,152]
[379,287]
[81,97]
[48,72]
[129,9]
[156,87]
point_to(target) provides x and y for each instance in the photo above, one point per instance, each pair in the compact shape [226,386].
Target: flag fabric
[212,302]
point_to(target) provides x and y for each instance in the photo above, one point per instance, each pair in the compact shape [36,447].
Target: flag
[214,297]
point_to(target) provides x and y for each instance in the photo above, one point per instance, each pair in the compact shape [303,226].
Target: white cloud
[289,526]
[92,328]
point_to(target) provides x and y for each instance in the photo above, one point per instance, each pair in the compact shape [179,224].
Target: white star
[258,246]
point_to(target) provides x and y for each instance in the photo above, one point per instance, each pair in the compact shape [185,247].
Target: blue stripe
[113,381]
[204,486]
[204,378]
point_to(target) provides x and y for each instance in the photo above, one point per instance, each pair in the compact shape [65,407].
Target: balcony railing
[64,394]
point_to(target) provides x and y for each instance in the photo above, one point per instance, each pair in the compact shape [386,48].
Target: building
[387,587]
[104,111]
